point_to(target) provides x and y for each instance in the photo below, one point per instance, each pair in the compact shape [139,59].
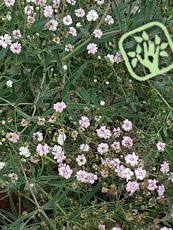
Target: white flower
[56,149]
[127,174]
[102,103]
[84,147]
[38,136]
[72,31]
[109,20]
[61,139]
[9,83]
[99,2]
[17,34]
[67,20]
[92,15]
[16,48]
[81,160]
[140,173]
[97,33]
[2,165]
[72,2]
[78,25]
[5,41]
[48,11]
[111,58]
[79,13]
[24,151]
[92,48]
[13,176]
[52,25]
[28,10]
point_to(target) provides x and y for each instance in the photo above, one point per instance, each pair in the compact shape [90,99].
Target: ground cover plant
[83,145]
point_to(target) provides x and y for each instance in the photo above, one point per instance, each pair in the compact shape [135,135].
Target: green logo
[146,55]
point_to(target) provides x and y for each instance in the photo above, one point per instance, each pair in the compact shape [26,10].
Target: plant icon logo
[149,55]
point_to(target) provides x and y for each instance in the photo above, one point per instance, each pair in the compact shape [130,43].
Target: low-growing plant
[82,145]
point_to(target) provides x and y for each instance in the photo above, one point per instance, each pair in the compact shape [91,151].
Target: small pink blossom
[152,184]
[65,171]
[161,191]
[127,174]
[42,149]
[48,11]
[9,3]
[165,167]
[132,186]
[103,148]
[127,142]
[85,177]
[67,20]
[17,34]
[140,173]
[16,48]
[28,10]
[84,122]
[116,132]
[92,15]
[116,146]
[13,137]
[127,125]
[81,160]
[160,146]
[103,132]
[59,107]
[92,48]
[80,13]
[5,40]
[120,170]
[101,227]
[132,159]
[72,31]
[118,57]
[97,33]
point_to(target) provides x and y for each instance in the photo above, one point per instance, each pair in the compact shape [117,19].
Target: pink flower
[79,13]
[132,186]
[160,146]
[92,15]
[65,171]
[17,34]
[127,174]
[120,170]
[60,157]
[127,142]
[103,132]
[59,107]
[9,3]
[132,159]
[92,48]
[103,148]
[52,25]
[97,33]
[116,146]
[165,167]
[127,125]
[48,11]
[29,10]
[84,122]
[42,149]
[118,57]
[16,48]
[117,132]
[67,20]
[160,191]
[13,137]
[109,20]
[81,160]
[73,31]
[85,177]
[152,184]
[140,173]
[101,227]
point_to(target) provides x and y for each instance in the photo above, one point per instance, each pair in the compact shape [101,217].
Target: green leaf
[70,81]
[138,49]
[145,36]
[134,62]
[131,54]
[163,45]
[164,54]
[3,53]
[157,40]
[138,39]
